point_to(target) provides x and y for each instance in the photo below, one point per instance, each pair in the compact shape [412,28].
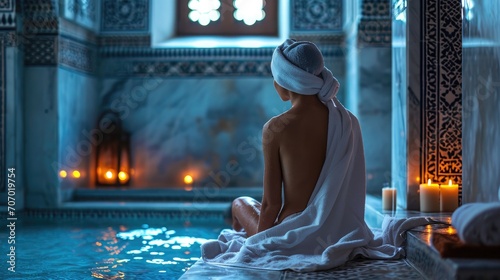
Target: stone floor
[359,269]
[422,260]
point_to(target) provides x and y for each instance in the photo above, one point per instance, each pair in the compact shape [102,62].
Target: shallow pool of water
[107,250]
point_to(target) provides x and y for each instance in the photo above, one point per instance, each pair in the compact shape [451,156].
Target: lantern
[113,153]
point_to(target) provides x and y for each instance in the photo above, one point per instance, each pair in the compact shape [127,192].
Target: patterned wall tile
[442,92]
[316,16]
[41,50]
[125,16]
[40,16]
[7,14]
[376,8]
[374,32]
[77,56]
[210,62]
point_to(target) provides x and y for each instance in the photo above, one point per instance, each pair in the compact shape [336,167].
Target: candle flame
[429,182]
[449,183]
[76,174]
[63,173]
[109,174]
[188,179]
[123,176]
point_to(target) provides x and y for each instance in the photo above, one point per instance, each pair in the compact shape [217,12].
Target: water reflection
[151,249]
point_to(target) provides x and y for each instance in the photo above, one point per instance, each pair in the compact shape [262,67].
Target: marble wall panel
[211,130]
[481,95]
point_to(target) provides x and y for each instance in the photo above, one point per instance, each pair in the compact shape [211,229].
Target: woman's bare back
[302,149]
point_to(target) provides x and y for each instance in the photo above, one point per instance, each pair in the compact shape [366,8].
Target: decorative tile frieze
[40,17]
[125,16]
[376,9]
[189,68]
[41,51]
[7,14]
[76,55]
[374,33]
[125,40]
[316,16]
[194,61]
[442,91]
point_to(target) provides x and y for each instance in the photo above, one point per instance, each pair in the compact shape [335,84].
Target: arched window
[227,17]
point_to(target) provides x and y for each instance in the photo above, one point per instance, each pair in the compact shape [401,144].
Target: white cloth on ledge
[331,230]
[478,223]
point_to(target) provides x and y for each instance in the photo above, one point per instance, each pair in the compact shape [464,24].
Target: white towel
[299,67]
[331,230]
[478,223]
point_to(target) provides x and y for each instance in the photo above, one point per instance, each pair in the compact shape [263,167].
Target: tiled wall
[10,101]
[481,100]
[203,109]
[91,51]
[428,125]
[60,93]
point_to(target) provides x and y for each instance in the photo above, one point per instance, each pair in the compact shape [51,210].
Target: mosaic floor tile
[361,269]
[201,270]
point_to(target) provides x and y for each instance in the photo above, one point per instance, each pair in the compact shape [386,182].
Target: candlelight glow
[429,182]
[76,174]
[188,179]
[449,183]
[109,174]
[63,174]
[123,176]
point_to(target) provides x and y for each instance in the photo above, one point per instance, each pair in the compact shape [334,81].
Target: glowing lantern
[113,152]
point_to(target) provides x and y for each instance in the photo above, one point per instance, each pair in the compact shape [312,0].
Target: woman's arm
[271,199]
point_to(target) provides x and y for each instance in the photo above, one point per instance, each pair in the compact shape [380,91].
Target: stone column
[373,104]
[427,96]
[11,121]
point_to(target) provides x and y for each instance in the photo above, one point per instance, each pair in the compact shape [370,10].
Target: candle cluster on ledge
[438,198]
[433,197]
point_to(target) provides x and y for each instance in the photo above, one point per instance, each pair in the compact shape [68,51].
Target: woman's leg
[246,212]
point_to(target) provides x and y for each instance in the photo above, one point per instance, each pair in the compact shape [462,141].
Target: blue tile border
[125,16]
[316,16]
[441,91]
[118,214]
[7,14]
[206,62]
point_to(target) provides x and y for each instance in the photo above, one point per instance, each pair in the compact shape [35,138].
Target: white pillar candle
[448,197]
[429,197]
[388,199]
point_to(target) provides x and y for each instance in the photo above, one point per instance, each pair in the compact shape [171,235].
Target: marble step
[426,259]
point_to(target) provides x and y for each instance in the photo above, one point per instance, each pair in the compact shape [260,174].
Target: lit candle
[188,180]
[388,199]
[449,197]
[123,177]
[109,176]
[429,197]
[63,174]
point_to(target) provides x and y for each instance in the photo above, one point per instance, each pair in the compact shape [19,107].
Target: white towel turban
[299,67]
